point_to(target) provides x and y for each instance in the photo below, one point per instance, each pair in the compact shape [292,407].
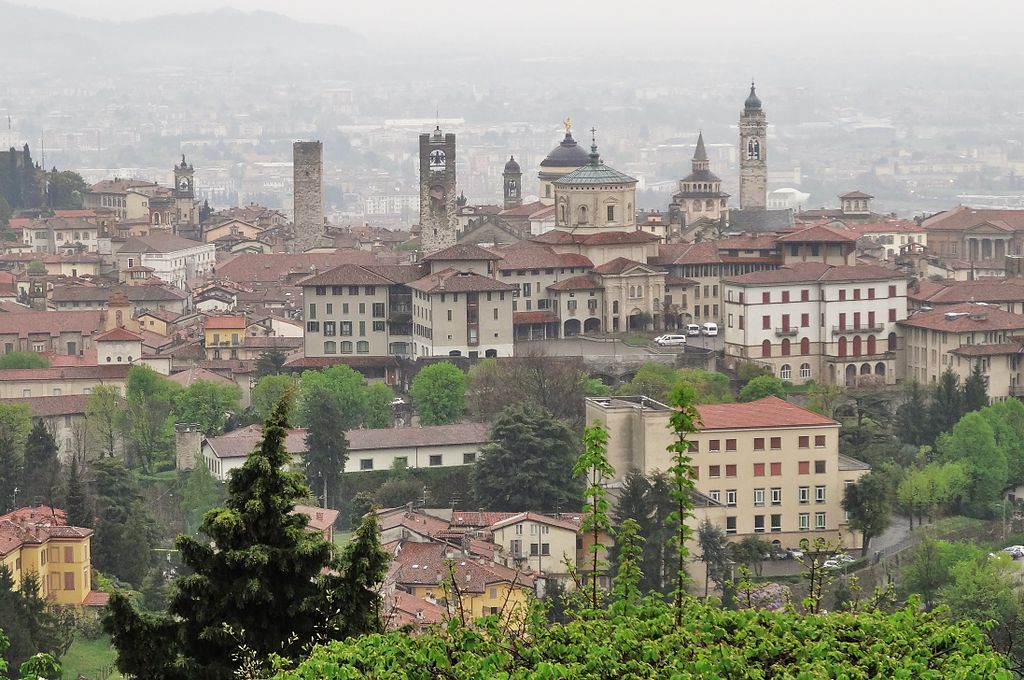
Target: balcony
[786,332]
[850,358]
[853,330]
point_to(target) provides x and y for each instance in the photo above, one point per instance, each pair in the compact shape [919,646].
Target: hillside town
[705,391]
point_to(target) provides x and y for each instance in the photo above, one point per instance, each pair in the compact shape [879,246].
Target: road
[578,347]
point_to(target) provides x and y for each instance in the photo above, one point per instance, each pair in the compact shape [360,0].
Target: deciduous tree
[439,394]
[207,403]
[23,360]
[148,421]
[379,411]
[868,502]
[269,363]
[269,390]
[103,414]
[343,386]
[763,386]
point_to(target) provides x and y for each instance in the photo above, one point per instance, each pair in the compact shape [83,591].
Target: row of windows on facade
[78,236]
[843,348]
[583,213]
[434,460]
[536,272]
[773,469]
[376,310]
[774,496]
[331,347]
[332,328]
[922,335]
[803,442]
[340,290]
[709,204]
[53,555]
[805,295]
[805,322]
[527,290]
[536,549]
[803,523]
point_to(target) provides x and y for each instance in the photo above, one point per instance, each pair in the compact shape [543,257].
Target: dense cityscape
[315,362]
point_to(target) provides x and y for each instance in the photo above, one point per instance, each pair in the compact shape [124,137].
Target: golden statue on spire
[568,125]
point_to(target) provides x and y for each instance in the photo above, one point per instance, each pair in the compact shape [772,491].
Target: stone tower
[512,180]
[753,155]
[438,218]
[308,197]
[185,221]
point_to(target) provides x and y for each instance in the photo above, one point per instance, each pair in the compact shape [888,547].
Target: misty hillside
[31,33]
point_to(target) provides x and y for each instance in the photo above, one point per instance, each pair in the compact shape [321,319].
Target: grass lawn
[92,658]
[341,538]
[636,341]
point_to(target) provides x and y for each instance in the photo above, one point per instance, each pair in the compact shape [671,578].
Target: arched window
[754,150]
[346,347]
[786,372]
[892,342]
[632,291]
[562,214]
[766,348]
[805,346]
[871,344]
[362,347]
[330,347]
[640,291]
[583,214]
[156,218]
[696,205]
[785,347]
[805,370]
[842,347]
[857,342]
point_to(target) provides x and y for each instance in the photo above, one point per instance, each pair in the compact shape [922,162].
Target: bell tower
[438,215]
[512,181]
[753,154]
[184,197]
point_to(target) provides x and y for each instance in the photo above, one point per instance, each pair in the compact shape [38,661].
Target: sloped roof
[964,217]
[576,283]
[462,251]
[621,265]
[453,281]
[966,317]
[760,413]
[271,267]
[818,233]
[855,194]
[803,272]
[225,322]
[158,243]
[118,335]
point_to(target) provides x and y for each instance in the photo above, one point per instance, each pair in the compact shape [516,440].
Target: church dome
[752,103]
[512,167]
[568,154]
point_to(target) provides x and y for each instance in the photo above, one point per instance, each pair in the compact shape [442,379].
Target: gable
[490,229]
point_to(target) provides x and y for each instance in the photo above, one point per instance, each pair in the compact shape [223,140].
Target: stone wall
[308,198]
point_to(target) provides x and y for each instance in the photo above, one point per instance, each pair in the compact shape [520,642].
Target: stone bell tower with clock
[753,154]
[185,215]
[438,218]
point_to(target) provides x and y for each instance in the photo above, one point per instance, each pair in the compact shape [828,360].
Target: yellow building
[442,574]
[223,336]
[38,540]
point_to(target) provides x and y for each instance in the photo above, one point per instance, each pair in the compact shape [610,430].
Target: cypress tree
[41,472]
[975,390]
[76,503]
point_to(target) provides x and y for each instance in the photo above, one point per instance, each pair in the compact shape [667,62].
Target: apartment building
[173,259]
[775,467]
[960,336]
[22,383]
[457,313]
[54,235]
[38,539]
[223,336]
[540,543]
[1007,294]
[128,198]
[835,324]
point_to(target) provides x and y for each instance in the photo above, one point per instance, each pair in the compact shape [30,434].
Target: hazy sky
[646,27]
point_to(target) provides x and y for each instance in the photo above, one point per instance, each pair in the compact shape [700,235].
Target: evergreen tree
[125,531]
[15,423]
[257,586]
[911,416]
[41,475]
[76,502]
[975,390]
[715,554]
[947,404]
[646,501]
[14,619]
[269,363]
[869,501]
[528,464]
[201,494]
[326,443]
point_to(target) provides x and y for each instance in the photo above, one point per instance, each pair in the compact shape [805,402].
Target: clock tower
[185,216]
[438,219]
[753,154]
[512,179]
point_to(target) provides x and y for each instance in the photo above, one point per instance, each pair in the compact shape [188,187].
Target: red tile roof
[533,317]
[996,349]
[353,362]
[225,322]
[818,234]
[532,255]
[190,376]
[112,372]
[118,335]
[319,518]
[963,217]
[953,292]
[620,265]
[96,598]
[966,317]
[453,281]
[26,323]
[536,517]
[576,283]
[346,275]
[888,227]
[761,413]
[272,267]
[855,194]
[462,251]
[158,243]
[816,271]
[45,407]
[525,210]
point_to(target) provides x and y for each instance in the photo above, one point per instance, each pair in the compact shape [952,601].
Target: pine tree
[76,503]
[947,404]
[41,472]
[256,585]
[326,444]
[975,390]
[911,419]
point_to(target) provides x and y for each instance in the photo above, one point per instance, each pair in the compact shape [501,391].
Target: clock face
[436,159]
[183,184]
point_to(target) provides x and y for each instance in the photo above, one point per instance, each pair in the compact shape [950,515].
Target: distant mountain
[33,32]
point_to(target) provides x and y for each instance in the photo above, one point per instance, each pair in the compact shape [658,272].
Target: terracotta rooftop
[525,210]
[272,267]
[818,234]
[761,413]
[963,217]
[26,323]
[225,322]
[533,317]
[536,517]
[855,194]
[966,317]
[532,255]
[806,272]
[347,275]
[190,376]
[118,335]
[319,518]
[996,349]
[112,372]
[158,243]
[45,407]
[953,292]
[577,283]
[620,265]
[462,251]
[453,281]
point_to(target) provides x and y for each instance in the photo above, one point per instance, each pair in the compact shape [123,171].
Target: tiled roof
[855,194]
[887,227]
[23,324]
[592,174]
[158,243]
[96,598]
[818,234]
[559,237]
[352,362]
[525,210]
[35,525]
[532,255]
[816,271]
[190,376]
[425,564]
[225,322]
[576,283]
[347,275]
[462,251]
[453,281]
[319,518]
[620,265]
[996,349]
[118,335]
[761,413]
[759,221]
[985,290]
[399,273]
[271,342]
[45,407]
[478,519]
[272,267]
[240,443]
[536,517]
[103,293]
[533,317]
[966,317]
[113,372]
[963,217]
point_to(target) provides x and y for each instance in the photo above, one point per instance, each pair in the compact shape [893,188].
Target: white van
[669,340]
[710,329]
[692,329]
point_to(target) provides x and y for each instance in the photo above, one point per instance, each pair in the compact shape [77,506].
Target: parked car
[692,329]
[1016,551]
[709,329]
[669,340]
[832,564]
[844,558]
[795,553]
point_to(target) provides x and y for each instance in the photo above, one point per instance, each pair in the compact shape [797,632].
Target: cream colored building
[538,543]
[775,467]
[369,449]
[816,321]
[126,197]
[960,336]
[457,313]
[22,383]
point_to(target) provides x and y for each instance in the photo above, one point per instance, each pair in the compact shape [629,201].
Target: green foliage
[716,556]
[379,411]
[148,420]
[340,385]
[23,360]
[207,403]
[103,420]
[125,531]
[353,599]
[593,387]
[76,498]
[528,465]
[326,443]
[684,421]
[201,493]
[15,423]
[41,474]
[972,441]
[924,491]
[66,189]
[269,363]
[709,387]
[975,390]
[931,567]
[555,384]
[268,392]
[257,586]
[763,386]
[869,504]
[910,416]
[36,267]
[646,501]
[626,585]
[825,399]
[712,643]
[750,551]
[652,380]
[748,370]
[1007,420]
[439,393]
[946,405]
[32,627]
[593,466]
